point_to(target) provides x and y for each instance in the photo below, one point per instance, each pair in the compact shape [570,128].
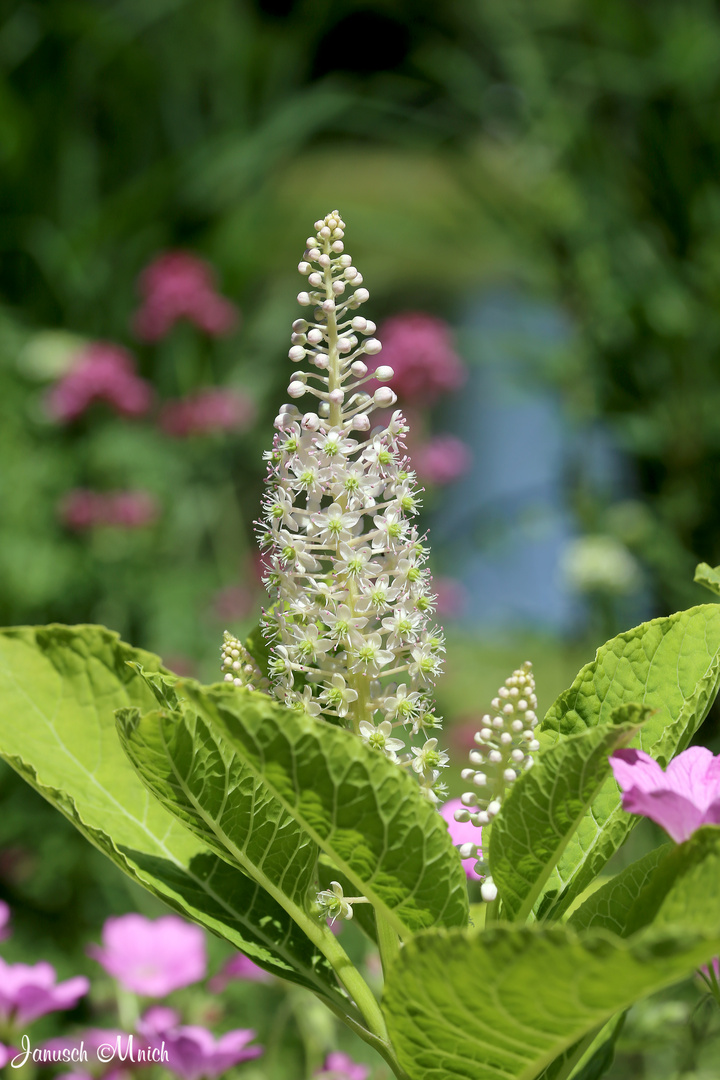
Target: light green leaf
[609,906]
[670,665]
[504,1003]
[59,688]
[259,782]
[545,806]
[709,576]
[591,1057]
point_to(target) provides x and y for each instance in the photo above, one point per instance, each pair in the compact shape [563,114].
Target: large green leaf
[609,906]
[59,688]
[504,1003]
[259,782]
[672,666]
[545,806]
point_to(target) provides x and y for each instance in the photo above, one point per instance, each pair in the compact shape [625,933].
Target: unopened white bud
[338,246]
[325,232]
[488,891]
[296,389]
[344,345]
[370,327]
[466,851]
[314,253]
[344,261]
[467,774]
[517,726]
[297,353]
[351,272]
[315,279]
[320,360]
[311,421]
[359,323]
[384,397]
[509,776]
[300,326]
[480,779]
[462,815]
[361,422]
[336,397]
[304,268]
[505,738]
[324,261]
[469,798]
[303,299]
[517,756]
[384,373]
[362,296]
[338,287]
[359,369]
[328,306]
[493,808]
[533,746]
[372,346]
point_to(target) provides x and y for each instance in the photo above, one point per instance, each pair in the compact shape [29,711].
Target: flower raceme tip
[681,798]
[349,631]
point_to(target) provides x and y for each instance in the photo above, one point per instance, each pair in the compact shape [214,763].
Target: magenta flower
[6,1053]
[177,285]
[419,349]
[341,1067]
[152,957]
[463,832]
[83,509]
[680,799]
[238,967]
[193,1052]
[441,459]
[28,991]
[450,596]
[5,930]
[102,372]
[207,411]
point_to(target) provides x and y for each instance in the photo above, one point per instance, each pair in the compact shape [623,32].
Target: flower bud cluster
[349,634]
[239,666]
[503,750]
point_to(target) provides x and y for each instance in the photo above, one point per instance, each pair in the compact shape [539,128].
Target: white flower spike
[349,629]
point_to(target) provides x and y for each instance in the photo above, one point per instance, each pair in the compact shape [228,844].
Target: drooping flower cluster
[178,285]
[504,747]
[102,372]
[83,509]
[206,411]
[349,627]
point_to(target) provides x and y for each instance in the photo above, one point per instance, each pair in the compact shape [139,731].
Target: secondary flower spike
[349,632]
[680,799]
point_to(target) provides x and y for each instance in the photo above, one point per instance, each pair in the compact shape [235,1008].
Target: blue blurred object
[503,526]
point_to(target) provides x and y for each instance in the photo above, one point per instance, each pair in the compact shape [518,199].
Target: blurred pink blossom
[5,930]
[83,509]
[102,372]
[206,411]
[681,799]
[463,832]
[178,285]
[441,459]
[418,347]
[28,991]
[339,1066]
[233,602]
[194,1052]
[238,967]
[152,957]
[450,596]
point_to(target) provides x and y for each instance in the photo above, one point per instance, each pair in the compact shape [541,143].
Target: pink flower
[680,799]
[193,1051]
[178,285]
[341,1067]
[83,509]
[238,967]
[441,459]
[5,930]
[6,1053]
[152,957]
[28,991]
[463,832]
[233,602]
[450,596]
[102,372]
[206,411]
[419,349]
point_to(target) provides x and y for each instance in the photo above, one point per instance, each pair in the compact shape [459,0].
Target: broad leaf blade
[363,812]
[504,1004]
[670,665]
[609,906]
[545,806]
[709,576]
[59,687]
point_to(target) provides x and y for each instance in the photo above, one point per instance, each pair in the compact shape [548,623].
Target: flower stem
[388,942]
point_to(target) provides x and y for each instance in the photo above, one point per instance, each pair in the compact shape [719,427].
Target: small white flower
[370,657]
[429,758]
[332,904]
[344,625]
[338,695]
[380,738]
